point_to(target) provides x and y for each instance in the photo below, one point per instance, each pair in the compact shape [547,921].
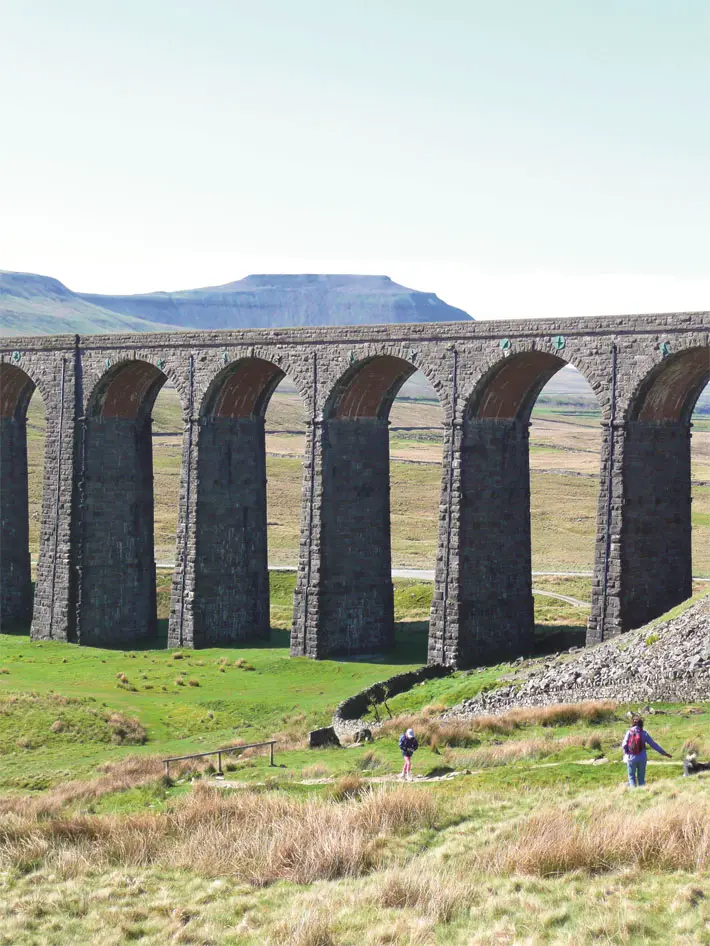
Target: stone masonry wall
[15,583]
[656,571]
[116,523]
[355,596]
[616,355]
[495,581]
[231,572]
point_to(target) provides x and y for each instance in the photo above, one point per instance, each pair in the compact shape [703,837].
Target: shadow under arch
[493,544]
[231,577]
[368,388]
[16,390]
[354,567]
[656,531]
[115,573]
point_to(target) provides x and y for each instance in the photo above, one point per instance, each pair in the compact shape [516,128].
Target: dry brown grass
[257,837]
[519,750]
[309,928]
[115,777]
[349,785]
[432,891]
[464,731]
[669,836]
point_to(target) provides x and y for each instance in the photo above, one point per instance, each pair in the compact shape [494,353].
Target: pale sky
[515,157]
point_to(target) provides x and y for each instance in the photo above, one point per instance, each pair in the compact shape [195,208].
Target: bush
[348,786]
[369,762]
[126,731]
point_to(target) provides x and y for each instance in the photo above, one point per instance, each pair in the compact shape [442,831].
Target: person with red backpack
[634,746]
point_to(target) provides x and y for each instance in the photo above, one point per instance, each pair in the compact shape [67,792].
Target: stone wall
[231,572]
[15,580]
[495,580]
[116,526]
[343,602]
[355,593]
[656,558]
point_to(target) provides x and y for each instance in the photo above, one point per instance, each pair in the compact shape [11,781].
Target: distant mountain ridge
[270,301]
[40,305]
[32,304]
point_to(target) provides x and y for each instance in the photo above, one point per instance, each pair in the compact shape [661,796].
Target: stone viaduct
[95,580]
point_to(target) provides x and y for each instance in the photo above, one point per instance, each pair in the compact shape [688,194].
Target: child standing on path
[408,746]
[634,746]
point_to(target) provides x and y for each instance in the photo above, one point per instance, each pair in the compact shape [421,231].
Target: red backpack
[634,744]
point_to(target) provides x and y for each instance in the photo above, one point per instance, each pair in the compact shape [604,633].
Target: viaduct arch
[95,575]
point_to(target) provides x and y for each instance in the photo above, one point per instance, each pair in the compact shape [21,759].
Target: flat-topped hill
[32,304]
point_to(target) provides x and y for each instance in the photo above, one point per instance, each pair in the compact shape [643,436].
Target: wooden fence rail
[219,753]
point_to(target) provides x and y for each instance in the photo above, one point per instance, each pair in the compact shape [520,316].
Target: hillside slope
[266,301]
[40,305]
[667,660]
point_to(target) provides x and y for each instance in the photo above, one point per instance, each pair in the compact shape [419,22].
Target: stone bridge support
[221,582]
[655,553]
[488,550]
[115,559]
[95,578]
[644,531]
[50,369]
[15,580]
[344,602]
[496,614]
[355,599]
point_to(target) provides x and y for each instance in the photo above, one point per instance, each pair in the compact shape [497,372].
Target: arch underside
[242,390]
[368,389]
[673,388]
[16,389]
[127,391]
[509,391]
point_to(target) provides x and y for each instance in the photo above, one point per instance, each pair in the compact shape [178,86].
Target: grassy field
[196,699]
[530,833]
[518,829]
[564,461]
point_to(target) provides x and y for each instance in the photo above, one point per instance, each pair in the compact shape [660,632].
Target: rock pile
[662,662]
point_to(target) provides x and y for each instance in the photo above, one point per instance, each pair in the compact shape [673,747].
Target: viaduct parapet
[95,580]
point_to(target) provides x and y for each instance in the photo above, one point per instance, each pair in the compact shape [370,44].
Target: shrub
[348,786]
[126,731]
[315,771]
[651,639]
[193,682]
[369,761]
